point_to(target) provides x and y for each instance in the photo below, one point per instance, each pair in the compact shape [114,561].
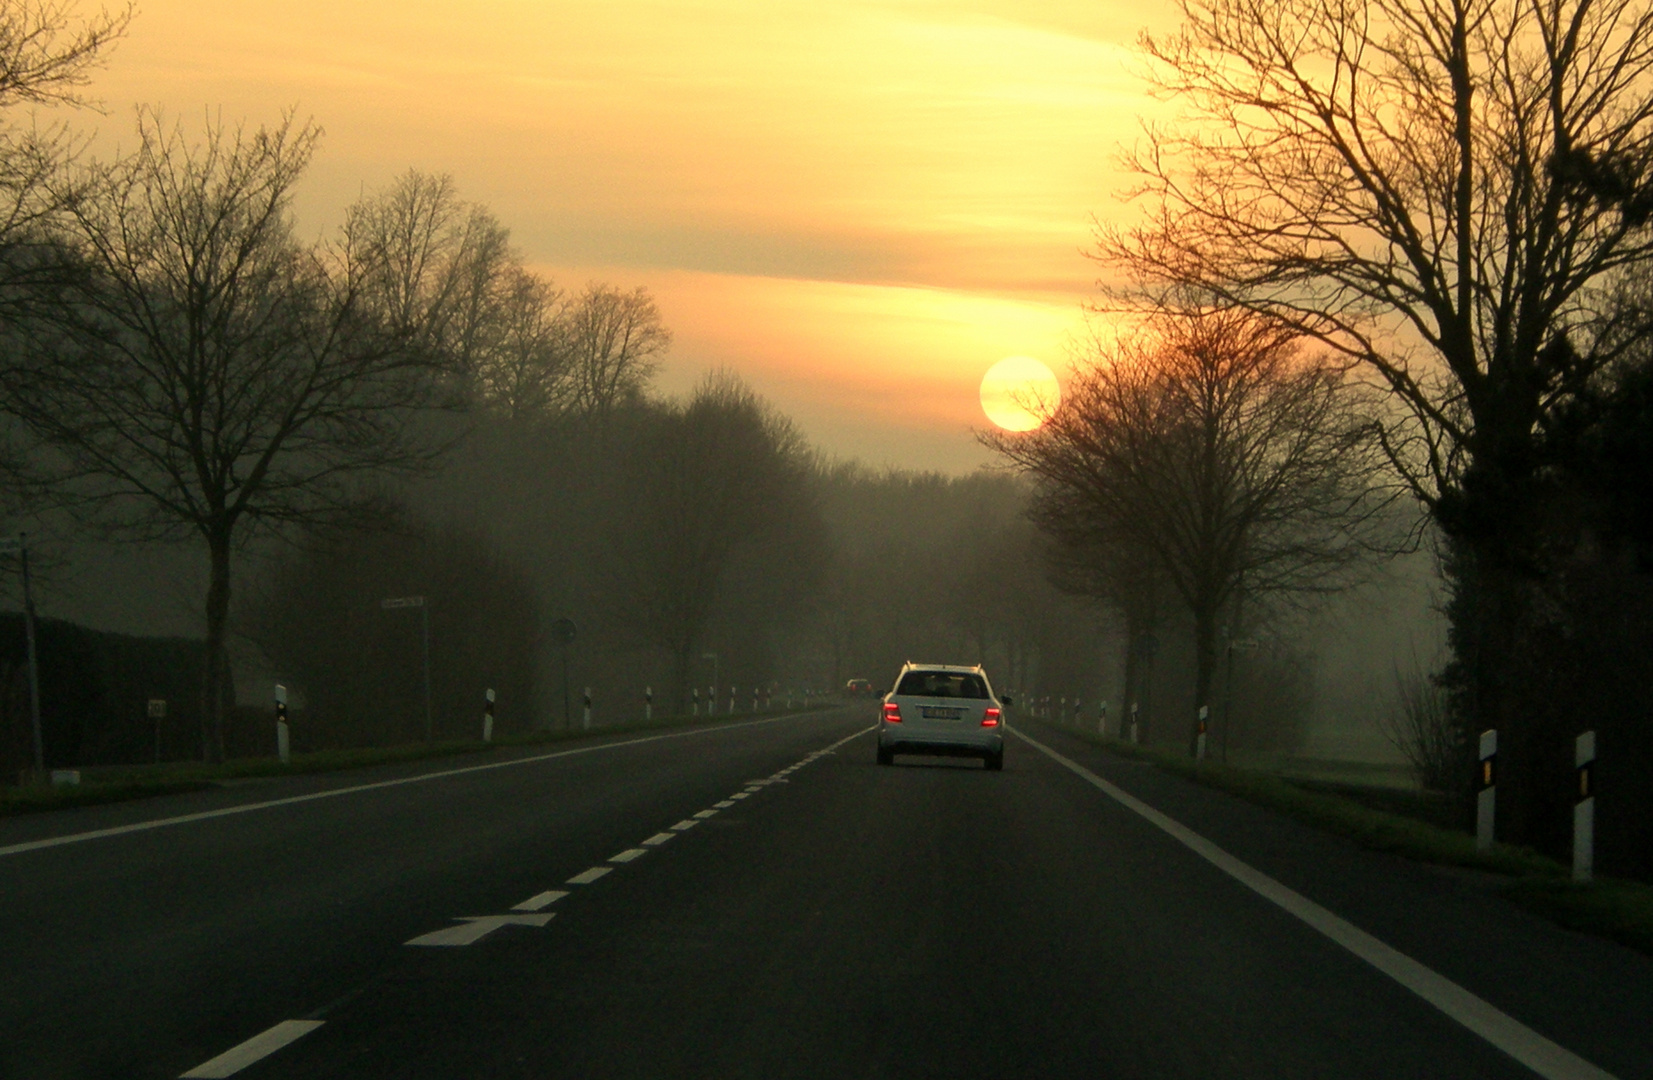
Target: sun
[1018,393]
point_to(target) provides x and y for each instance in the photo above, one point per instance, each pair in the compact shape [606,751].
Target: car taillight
[892,712]
[990,718]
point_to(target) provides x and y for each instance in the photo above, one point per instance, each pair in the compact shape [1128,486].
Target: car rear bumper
[960,741]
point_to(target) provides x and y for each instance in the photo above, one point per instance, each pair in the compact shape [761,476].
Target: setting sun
[1018,392]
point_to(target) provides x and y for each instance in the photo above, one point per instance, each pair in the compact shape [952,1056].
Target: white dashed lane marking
[685,824]
[724,805]
[741,795]
[704,814]
[628,855]
[473,928]
[588,876]
[257,1048]
[658,838]
[541,901]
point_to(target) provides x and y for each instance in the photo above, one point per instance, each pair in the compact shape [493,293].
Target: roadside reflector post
[283,744]
[1486,790]
[585,717]
[488,717]
[1078,711]
[1584,808]
[1133,722]
[731,699]
[648,703]
[754,699]
[694,696]
[1199,736]
[1102,718]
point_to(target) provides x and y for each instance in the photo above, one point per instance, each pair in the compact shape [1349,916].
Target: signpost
[397,603]
[563,632]
[157,713]
[19,545]
[283,743]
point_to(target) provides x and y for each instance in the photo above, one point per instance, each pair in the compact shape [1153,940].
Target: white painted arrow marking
[473,928]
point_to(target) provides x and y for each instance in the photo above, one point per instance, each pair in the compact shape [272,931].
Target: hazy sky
[860,205]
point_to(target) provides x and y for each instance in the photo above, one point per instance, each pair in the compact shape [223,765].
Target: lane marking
[257,1048]
[725,804]
[473,928]
[684,825]
[628,855]
[753,785]
[1544,1057]
[586,877]
[704,814]
[270,804]
[543,900]
[741,795]
[658,838]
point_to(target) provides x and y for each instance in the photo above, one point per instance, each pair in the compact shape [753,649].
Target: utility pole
[20,545]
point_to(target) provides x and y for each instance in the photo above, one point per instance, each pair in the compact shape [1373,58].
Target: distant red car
[860,688]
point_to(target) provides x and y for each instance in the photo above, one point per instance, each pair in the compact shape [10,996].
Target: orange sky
[860,205]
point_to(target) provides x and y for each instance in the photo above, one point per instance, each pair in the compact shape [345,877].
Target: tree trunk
[1205,667]
[215,662]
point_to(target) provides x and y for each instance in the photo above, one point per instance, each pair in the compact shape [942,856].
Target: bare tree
[1210,441]
[719,473]
[195,370]
[46,56]
[1442,191]
[523,369]
[614,339]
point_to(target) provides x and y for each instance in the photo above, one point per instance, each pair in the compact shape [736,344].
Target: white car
[942,709]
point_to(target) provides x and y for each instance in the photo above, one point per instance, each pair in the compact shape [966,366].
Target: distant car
[860,688]
[942,709]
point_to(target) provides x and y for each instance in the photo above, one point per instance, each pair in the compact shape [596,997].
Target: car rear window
[942,684]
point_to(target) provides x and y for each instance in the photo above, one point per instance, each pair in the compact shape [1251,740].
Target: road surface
[764,901]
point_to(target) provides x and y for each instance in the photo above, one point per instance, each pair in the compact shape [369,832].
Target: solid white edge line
[586,877]
[1544,1057]
[245,808]
[257,1048]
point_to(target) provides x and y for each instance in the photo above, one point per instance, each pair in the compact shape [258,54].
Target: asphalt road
[821,917]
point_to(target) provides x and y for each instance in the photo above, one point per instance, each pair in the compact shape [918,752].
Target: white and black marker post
[488,717]
[1584,808]
[585,717]
[1102,718]
[694,695]
[648,703]
[1199,737]
[754,699]
[731,699]
[283,738]
[1133,723]
[1486,790]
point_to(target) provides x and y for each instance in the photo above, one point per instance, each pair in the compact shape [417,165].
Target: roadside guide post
[488,717]
[754,699]
[1199,737]
[1584,808]
[694,696]
[19,545]
[648,703]
[1102,718]
[283,741]
[585,718]
[731,699]
[1486,790]
[1133,723]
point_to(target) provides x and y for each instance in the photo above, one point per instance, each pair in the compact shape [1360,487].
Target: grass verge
[1607,907]
[121,783]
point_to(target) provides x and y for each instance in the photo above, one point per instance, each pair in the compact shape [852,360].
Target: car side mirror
[1006,700]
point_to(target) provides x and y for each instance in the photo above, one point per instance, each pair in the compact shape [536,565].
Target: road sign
[157,708]
[563,631]
[402,602]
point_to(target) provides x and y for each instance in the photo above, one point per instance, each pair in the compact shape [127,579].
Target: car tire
[886,757]
[995,762]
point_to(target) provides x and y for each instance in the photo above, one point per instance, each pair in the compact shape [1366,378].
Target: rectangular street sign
[157,708]
[403,601]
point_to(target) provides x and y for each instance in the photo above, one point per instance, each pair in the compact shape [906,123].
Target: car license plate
[936,712]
